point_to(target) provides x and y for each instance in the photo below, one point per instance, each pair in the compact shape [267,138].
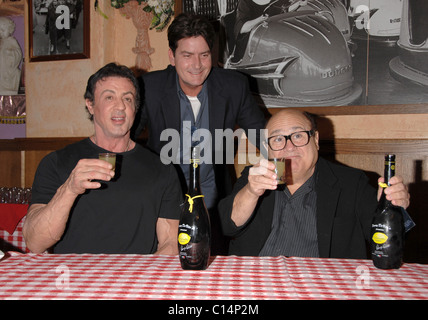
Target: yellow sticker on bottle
[383,185]
[379,237]
[183,238]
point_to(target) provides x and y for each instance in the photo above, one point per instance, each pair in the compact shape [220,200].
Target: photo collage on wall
[324,52]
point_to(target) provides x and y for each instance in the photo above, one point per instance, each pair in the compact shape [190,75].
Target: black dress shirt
[294,229]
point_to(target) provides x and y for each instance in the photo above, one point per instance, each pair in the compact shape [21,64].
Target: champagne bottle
[387,231]
[194,232]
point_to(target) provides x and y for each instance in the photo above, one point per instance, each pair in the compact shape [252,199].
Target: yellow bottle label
[379,237]
[383,185]
[183,238]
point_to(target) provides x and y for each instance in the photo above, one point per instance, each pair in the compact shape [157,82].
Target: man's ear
[317,139]
[89,106]
[171,57]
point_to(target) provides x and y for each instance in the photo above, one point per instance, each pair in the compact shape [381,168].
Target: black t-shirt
[121,216]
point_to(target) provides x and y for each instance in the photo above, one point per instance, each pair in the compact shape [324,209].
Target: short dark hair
[111,70]
[187,25]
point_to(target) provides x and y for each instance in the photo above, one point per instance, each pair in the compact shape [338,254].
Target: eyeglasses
[298,139]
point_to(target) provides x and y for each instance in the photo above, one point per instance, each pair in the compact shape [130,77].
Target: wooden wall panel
[10,168]
[20,157]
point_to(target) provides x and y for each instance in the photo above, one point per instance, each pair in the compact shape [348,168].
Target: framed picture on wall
[323,54]
[58,29]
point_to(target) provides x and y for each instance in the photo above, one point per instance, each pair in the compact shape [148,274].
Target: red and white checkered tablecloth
[88,276]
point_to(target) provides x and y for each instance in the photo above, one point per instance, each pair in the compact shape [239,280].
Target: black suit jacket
[346,203]
[230,104]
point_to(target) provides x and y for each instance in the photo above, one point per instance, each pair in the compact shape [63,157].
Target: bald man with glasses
[325,210]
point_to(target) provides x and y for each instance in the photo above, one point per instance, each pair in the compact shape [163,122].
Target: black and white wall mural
[324,52]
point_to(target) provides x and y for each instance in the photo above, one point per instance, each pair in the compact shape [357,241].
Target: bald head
[286,112]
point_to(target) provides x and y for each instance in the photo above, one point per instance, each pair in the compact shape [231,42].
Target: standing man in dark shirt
[191,95]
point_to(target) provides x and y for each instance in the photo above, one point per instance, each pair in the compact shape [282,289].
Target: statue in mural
[10,58]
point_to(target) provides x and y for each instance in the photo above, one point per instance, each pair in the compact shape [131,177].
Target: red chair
[14,241]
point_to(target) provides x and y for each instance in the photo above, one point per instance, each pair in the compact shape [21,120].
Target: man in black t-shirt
[80,205]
